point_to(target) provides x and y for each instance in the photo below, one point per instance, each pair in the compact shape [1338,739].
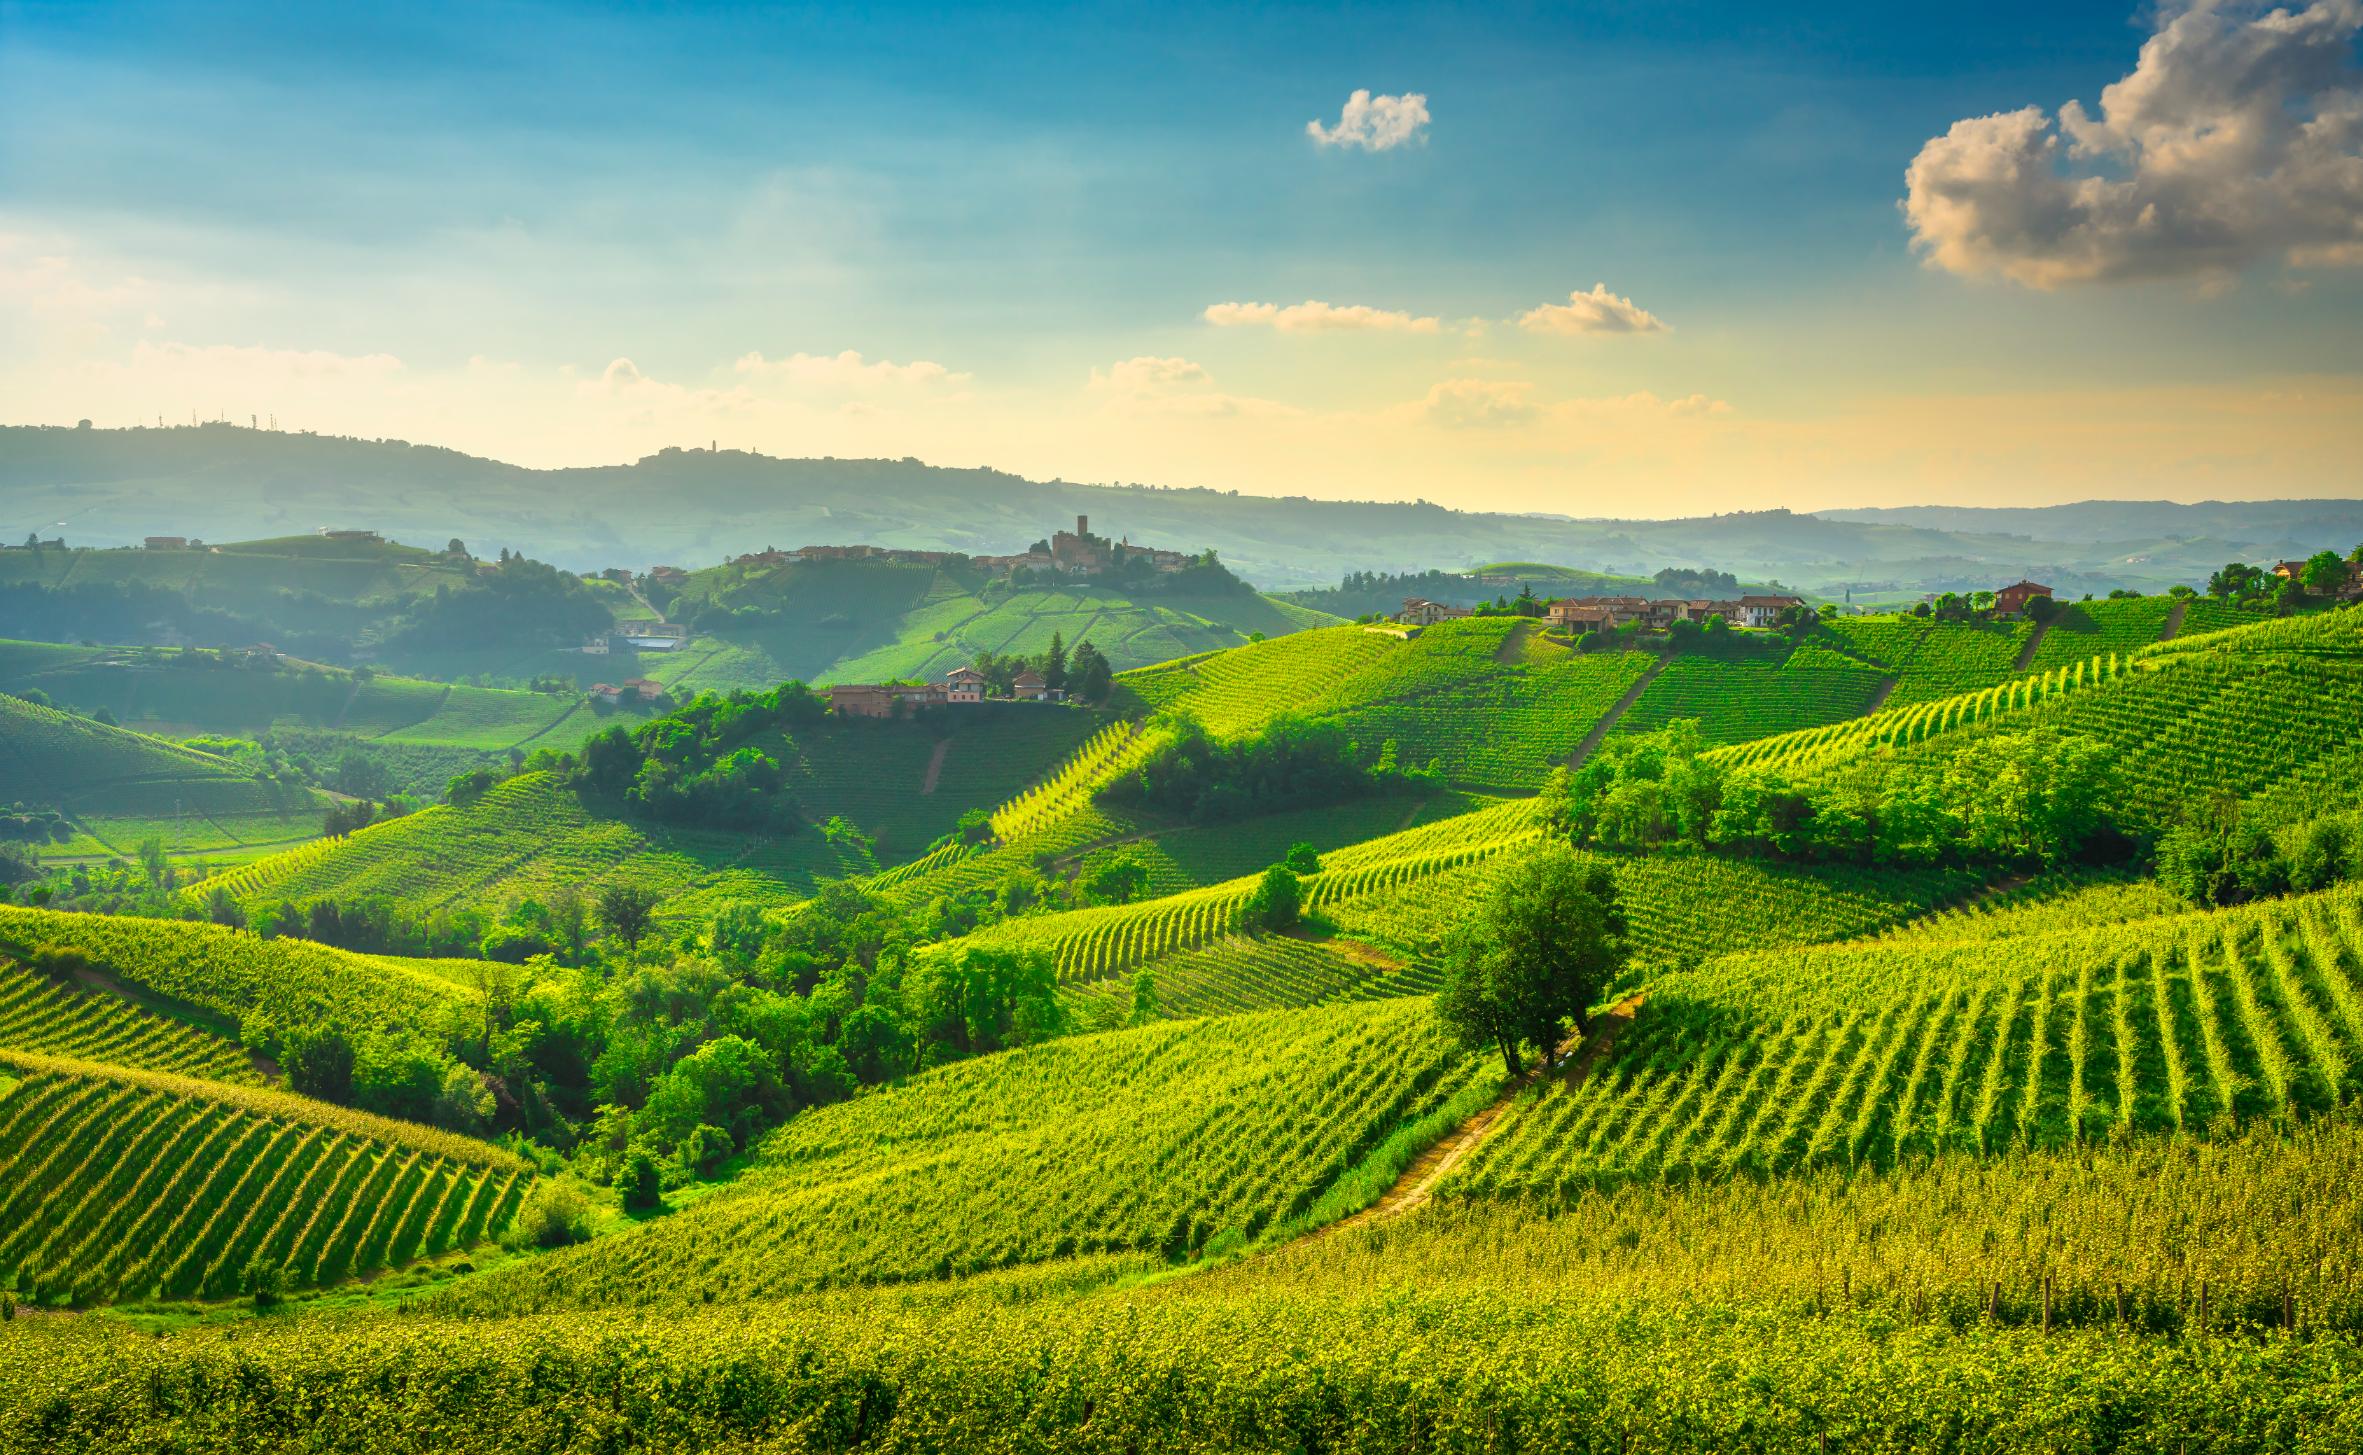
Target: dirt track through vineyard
[1419,1181]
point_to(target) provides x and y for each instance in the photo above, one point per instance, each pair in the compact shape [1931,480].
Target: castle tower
[1083,525]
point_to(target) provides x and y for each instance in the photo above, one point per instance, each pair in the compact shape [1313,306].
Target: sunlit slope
[247,986]
[121,1184]
[117,788]
[868,621]
[1879,1053]
[44,1015]
[904,784]
[1161,1140]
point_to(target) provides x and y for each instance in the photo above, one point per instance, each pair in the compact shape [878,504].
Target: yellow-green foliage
[1160,1139]
[530,836]
[1734,701]
[38,1014]
[1881,1052]
[242,979]
[119,1184]
[1894,727]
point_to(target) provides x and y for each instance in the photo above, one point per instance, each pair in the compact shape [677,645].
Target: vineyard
[1734,702]
[244,982]
[1240,973]
[529,835]
[1880,1054]
[123,1184]
[1166,1140]
[37,1014]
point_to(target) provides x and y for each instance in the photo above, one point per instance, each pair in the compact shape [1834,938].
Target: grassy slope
[119,787]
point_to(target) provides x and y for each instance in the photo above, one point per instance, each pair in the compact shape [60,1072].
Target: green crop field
[38,1014]
[118,788]
[126,1184]
[1879,1054]
[1160,1140]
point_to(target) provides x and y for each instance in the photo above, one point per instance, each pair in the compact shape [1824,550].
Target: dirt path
[1513,644]
[2174,616]
[1886,690]
[935,766]
[1419,1181]
[1600,729]
[2026,654]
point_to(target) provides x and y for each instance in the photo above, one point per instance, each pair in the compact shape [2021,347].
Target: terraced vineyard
[1880,1053]
[38,1014]
[1899,727]
[243,981]
[118,1184]
[529,836]
[1240,973]
[1165,1139]
[2083,630]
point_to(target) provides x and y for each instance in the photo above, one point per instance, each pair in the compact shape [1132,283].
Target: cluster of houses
[1077,552]
[961,685]
[633,689]
[1599,613]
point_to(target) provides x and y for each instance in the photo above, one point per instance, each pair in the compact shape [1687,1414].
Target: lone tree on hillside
[625,909]
[1546,942]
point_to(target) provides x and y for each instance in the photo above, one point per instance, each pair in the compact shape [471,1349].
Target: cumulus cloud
[1374,123]
[1598,311]
[847,370]
[1148,375]
[1314,316]
[1480,404]
[2237,137]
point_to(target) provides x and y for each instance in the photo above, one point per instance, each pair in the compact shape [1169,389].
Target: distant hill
[692,506]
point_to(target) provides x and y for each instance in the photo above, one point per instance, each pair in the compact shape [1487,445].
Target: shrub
[554,1215]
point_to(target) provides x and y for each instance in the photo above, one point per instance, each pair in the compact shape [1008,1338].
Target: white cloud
[2237,137]
[250,364]
[1374,123]
[1314,316]
[1598,311]
[1151,385]
[1480,404]
[847,370]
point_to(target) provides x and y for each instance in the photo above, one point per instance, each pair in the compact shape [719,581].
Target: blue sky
[992,236]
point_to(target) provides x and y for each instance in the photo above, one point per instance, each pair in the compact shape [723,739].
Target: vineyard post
[2047,1303]
[1994,1303]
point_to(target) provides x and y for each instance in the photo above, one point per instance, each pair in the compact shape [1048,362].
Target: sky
[1655,258]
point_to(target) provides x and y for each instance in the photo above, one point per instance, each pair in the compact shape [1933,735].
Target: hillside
[127,1184]
[222,483]
[116,789]
[869,621]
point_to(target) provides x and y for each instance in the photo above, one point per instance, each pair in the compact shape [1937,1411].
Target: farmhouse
[2012,600]
[654,636]
[671,575]
[1030,687]
[1419,611]
[1764,611]
[595,646]
[606,691]
[964,684]
[646,690]
[863,699]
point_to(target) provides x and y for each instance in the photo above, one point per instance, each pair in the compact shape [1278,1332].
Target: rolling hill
[116,789]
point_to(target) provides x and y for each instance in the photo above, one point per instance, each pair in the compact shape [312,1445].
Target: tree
[2041,609]
[639,1185]
[1303,859]
[1054,663]
[1144,998]
[1116,879]
[625,910]
[2324,573]
[455,547]
[318,1062]
[1547,941]
[1278,900]
[1089,674]
[2236,579]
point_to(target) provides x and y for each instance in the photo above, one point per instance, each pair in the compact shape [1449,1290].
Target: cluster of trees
[1698,583]
[1293,763]
[2325,573]
[2227,853]
[520,603]
[1379,593]
[1084,674]
[2031,797]
[136,611]
[715,762]
[674,1049]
